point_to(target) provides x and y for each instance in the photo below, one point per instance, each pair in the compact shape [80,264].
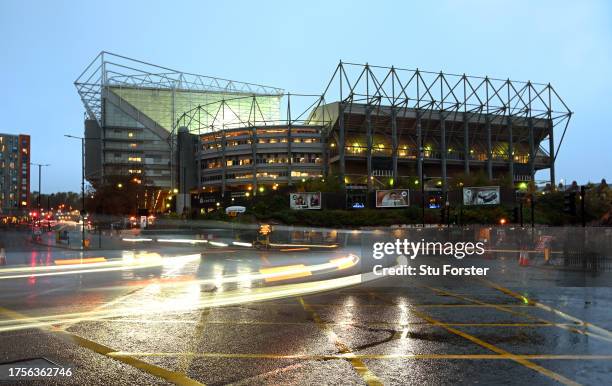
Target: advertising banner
[394,198]
[305,200]
[481,195]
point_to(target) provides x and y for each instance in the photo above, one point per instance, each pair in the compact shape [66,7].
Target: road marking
[551,374]
[362,356]
[175,377]
[555,311]
[171,376]
[533,317]
[360,367]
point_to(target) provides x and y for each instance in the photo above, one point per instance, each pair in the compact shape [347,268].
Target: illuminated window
[130,134]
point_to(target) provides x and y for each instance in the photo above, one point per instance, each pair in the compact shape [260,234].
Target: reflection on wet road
[189,308]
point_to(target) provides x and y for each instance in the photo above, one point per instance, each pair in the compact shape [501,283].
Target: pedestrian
[2,254]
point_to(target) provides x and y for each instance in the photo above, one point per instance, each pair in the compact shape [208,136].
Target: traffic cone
[523,259]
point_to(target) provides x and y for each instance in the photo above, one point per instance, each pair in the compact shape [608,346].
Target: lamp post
[82,183]
[39,184]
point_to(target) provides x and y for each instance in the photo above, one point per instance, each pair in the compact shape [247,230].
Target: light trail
[183,241]
[79,261]
[217,244]
[303,245]
[128,262]
[172,305]
[242,244]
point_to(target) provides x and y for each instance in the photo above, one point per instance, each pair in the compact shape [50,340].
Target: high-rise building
[14,173]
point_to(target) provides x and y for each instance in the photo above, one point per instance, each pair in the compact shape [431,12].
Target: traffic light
[569,203]
[515,215]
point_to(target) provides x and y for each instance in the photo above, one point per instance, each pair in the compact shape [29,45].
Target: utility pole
[422,199]
[39,184]
[82,184]
[582,205]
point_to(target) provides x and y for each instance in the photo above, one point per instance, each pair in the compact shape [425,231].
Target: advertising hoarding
[481,195]
[305,200]
[393,198]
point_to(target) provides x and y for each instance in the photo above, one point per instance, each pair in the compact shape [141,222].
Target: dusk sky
[45,45]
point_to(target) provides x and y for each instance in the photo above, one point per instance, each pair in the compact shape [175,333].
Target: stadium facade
[218,139]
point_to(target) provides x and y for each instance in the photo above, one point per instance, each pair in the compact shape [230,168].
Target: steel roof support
[368,119]
[510,148]
[443,151]
[341,143]
[394,143]
[466,143]
[419,133]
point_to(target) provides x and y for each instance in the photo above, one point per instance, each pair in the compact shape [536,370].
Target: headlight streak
[129,262]
[136,240]
[79,261]
[276,245]
[210,301]
[183,241]
[242,244]
[217,244]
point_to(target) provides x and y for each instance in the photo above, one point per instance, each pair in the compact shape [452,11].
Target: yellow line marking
[519,313]
[555,311]
[362,356]
[170,376]
[360,367]
[175,377]
[551,374]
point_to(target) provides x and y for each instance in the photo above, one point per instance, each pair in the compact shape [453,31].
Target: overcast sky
[45,45]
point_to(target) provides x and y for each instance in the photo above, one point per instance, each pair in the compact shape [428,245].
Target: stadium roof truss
[426,91]
[112,70]
[213,116]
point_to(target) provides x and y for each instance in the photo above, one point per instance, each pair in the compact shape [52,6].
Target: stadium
[210,140]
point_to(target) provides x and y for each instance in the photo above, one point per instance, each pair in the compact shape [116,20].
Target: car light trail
[128,262]
[172,305]
[304,245]
[217,244]
[182,241]
[84,260]
[287,272]
[242,244]
[136,240]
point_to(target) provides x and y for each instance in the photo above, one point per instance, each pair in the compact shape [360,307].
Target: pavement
[189,313]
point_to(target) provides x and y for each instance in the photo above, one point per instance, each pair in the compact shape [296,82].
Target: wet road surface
[219,315]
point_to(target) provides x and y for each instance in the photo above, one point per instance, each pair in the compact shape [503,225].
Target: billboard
[481,195]
[394,198]
[305,200]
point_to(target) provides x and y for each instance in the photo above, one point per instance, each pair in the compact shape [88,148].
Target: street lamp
[39,185]
[82,182]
